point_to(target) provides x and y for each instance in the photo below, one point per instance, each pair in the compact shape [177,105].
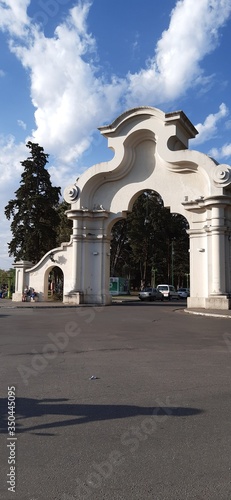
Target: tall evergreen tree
[64,229]
[34,210]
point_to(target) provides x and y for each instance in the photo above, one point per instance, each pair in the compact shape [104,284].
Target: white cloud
[10,170]
[69,98]
[208,129]
[13,16]
[72,99]
[2,73]
[226,150]
[223,152]
[192,34]
[21,124]
[11,154]
[228,124]
[135,48]
[62,175]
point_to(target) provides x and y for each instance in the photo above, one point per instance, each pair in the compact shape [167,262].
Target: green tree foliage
[6,275]
[34,210]
[151,244]
[120,248]
[64,229]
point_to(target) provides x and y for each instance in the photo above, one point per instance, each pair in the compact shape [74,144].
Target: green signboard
[119,286]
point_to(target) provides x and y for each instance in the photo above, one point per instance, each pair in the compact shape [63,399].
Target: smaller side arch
[53,283]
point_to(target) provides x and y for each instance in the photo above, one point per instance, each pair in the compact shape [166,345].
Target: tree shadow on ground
[27,408]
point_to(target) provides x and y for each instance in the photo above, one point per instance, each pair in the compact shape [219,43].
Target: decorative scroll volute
[222,175]
[71,193]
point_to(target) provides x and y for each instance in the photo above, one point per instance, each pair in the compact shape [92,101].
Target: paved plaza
[126,402]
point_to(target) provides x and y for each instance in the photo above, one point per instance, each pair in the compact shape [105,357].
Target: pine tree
[34,210]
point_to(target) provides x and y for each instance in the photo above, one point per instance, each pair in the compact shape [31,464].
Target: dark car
[150,294]
[183,293]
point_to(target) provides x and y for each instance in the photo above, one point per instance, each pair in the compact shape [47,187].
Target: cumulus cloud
[208,129]
[69,98]
[13,16]
[175,67]
[10,166]
[62,175]
[70,95]
[223,153]
[10,170]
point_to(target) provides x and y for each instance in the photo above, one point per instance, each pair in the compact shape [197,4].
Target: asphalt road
[154,423]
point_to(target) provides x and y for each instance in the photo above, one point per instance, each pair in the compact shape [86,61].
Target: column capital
[219,201]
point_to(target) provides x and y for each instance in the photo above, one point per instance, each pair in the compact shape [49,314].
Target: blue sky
[68,67]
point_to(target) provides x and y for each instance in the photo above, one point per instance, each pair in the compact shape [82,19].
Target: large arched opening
[151,245]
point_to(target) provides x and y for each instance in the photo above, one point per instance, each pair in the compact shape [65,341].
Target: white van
[168,291]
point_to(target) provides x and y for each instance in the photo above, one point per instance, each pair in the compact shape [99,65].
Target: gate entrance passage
[150,153]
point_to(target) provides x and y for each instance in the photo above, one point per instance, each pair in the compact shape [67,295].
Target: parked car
[183,293]
[150,294]
[168,291]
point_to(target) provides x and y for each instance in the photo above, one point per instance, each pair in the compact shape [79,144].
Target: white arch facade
[150,152]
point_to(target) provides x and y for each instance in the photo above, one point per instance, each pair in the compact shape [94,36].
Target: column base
[75,298]
[17,297]
[218,302]
[78,298]
[212,302]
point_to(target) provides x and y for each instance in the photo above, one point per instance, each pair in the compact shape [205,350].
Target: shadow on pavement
[32,408]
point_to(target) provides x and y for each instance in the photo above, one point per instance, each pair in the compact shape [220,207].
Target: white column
[218,251]
[74,256]
[95,258]
[22,279]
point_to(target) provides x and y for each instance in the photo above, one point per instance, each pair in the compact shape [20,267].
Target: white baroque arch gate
[150,152]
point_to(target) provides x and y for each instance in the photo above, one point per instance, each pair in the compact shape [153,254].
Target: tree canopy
[151,245]
[34,210]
